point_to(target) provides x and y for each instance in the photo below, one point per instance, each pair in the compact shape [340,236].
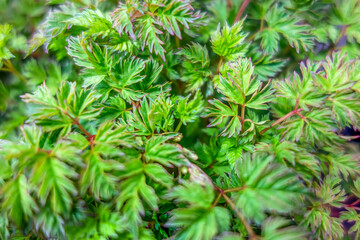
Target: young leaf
[17,201]
[269,186]
[229,42]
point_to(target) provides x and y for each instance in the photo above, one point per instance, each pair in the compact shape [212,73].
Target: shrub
[179,119]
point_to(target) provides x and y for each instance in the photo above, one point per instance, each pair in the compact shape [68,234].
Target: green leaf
[5,52]
[269,40]
[297,34]
[105,223]
[259,99]
[199,223]
[229,42]
[89,55]
[194,194]
[342,164]
[4,94]
[345,14]
[50,223]
[97,176]
[302,89]
[65,110]
[196,66]
[133,190]
[174,12]
[314,127]
[127,72]
[335,76]
[17,201]
[318,216]
[156,150]
[267,186]
[345,108]
[240,83]
[52,179]
[122,18]
[227,114]
[266,66]
[4,232]
[143,118]
[239,87]
[189,110]
[158,174]
[148,34]
[95,22]
[54,26]
[352,216]
[200,220]
[280,229]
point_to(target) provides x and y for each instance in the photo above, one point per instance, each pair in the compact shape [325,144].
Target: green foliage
[281,23]
[265,187]
[4,37]
[178,119]
[228,42]
[200,220]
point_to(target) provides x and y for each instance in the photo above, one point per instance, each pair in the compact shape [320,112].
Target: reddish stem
[283,118]
[241,10]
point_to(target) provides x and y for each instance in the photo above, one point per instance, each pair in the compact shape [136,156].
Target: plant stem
[354,203]
[219,64]
[178,127]
[241,10]
[283,118]
[222,193]
[248,228]
[77,123]
[261,24]
[343,30]
[10,68]
[89,136]
[242,117]
[236,189]
[216,200]
[177,41]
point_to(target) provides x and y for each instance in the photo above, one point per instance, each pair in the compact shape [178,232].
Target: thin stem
[252,36]
[77,123]
[12,69]
[343,30]
[283,118]
[219,64]
[248,228]
[261,24]
[241,10]
[236,189]
[222,193]
[177,41]
[353,207]
[354,203]
[242,117]
[216,200]
[178,127]
[297,103]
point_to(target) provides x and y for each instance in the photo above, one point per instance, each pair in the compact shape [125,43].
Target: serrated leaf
[269,186]
[17,200]
[228,42]
[280,229]
[167,154]
[221,112]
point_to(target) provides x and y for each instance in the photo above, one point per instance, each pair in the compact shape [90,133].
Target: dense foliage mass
[180,119]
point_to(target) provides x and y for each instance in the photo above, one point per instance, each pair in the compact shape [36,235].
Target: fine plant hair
[179,119]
